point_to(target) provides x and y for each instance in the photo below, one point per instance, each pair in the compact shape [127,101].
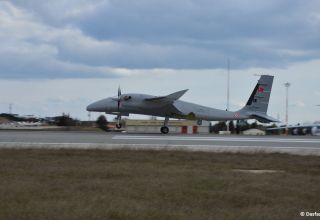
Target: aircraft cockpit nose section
[127,97]
[122,98]
[103,105]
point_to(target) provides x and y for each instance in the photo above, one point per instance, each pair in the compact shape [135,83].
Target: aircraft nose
[93,107]
[90,107]
[99,106]
[96,106]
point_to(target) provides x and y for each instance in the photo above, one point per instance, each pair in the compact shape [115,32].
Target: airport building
[254,132]
[175,126]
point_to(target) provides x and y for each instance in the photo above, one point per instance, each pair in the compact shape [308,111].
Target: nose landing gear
[119,125]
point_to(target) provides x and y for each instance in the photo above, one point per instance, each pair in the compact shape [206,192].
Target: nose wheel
[119,125]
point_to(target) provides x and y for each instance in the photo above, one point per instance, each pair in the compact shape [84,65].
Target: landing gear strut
[119,125]
[164,128]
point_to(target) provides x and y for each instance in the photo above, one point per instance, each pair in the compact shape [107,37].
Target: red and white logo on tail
[260,89]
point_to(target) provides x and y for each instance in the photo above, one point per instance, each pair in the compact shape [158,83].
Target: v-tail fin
[259,99]
[257,105]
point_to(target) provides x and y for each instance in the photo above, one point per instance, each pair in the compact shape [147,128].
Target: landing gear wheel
[164,130]
[118,126]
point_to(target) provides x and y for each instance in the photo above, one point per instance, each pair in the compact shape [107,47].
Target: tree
[65,120]
[242,125]
[232,127]
[102,122]
[220,126]
[254,125]
[275,131]
[153,118]
[237,127]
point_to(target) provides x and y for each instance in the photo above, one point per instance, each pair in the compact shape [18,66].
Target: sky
[58,56]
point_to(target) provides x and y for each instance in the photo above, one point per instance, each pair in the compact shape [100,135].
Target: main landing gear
[164,128]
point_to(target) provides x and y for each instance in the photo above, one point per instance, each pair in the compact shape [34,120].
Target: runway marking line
[229,139]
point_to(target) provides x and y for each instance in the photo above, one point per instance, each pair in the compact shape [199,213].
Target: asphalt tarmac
[303,145]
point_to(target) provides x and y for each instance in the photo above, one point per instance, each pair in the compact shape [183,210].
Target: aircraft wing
[313,129]
[167,99]
[294,126]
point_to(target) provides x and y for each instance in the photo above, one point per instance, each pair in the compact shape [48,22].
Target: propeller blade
[119,92]
[119,98]
[118,105]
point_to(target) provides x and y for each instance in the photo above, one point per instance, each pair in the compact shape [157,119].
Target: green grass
[96,184]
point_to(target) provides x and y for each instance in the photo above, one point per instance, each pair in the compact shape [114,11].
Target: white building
[175,126]
[253,132]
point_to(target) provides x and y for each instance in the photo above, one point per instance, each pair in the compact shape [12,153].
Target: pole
[89,116]
[228,91]
[287,85]
[228,86]
[10,108]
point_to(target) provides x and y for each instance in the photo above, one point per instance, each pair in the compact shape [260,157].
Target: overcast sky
[58,56]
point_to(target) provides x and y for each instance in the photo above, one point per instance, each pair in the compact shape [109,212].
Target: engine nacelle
[295,131]
[315,130]
[304,131]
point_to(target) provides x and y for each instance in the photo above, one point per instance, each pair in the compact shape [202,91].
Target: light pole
[10,108]
[228,86]
[287,85]
[228,91]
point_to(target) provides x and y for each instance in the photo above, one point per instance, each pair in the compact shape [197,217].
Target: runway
[304,145]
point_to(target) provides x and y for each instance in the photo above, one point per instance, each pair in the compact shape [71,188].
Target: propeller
[119,98]
[118,125]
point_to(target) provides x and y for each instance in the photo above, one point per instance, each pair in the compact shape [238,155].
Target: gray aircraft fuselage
[137,104]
